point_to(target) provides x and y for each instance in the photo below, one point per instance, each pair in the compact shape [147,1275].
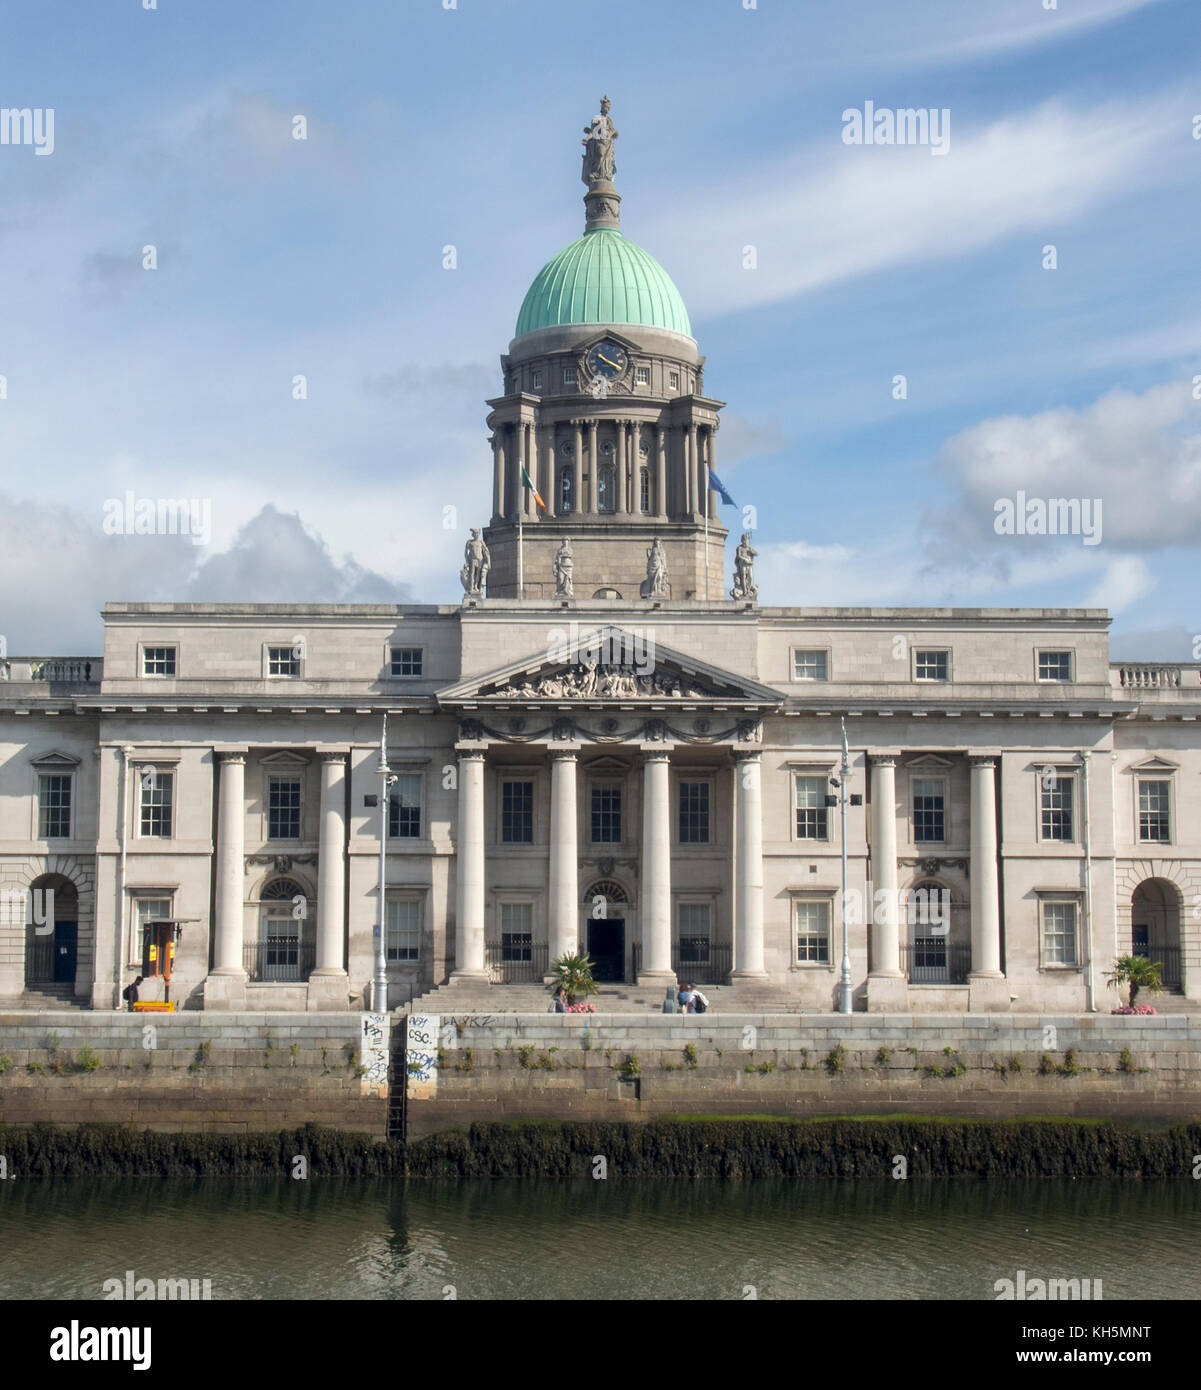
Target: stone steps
[475,998]
[45,999]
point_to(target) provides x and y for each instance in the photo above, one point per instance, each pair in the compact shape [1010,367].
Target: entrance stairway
[46,998]
[461,997]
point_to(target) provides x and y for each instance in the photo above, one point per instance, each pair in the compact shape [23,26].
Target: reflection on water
[580,1239]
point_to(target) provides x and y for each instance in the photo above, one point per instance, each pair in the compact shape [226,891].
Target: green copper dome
[603,278]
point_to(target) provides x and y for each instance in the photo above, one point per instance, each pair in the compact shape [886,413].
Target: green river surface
[334,1238]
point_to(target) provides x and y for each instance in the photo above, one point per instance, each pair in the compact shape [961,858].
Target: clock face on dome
[608,360]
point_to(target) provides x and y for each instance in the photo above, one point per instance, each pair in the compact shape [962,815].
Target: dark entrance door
[607,947]
[65,945]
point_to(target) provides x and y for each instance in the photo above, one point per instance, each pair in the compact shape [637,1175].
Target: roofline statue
[476,563]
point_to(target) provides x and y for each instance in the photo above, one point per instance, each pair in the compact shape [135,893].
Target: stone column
[577,470]
[564,889]
[331,869]
[686,474]
[619,498]
[225,987]
[593,469]
[887,987]
[748,939]
[656,869]
[711,462]
[986,902]
[498,474]
[702,474]
[546,454]
[660,499]
[469,909]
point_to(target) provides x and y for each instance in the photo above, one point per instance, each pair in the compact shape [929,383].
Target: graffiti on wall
[373,1051]
[421,1055]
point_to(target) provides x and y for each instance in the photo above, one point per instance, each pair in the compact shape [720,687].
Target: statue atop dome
[599,163]
[602,201]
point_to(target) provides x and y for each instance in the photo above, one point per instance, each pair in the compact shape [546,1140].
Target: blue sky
[1070,127]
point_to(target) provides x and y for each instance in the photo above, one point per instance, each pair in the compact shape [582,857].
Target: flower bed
[1138,1009]
[581,1008]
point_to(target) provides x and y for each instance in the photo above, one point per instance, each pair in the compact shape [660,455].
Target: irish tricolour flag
[525,478]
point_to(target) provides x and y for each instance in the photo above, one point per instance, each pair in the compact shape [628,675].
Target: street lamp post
[844,987]
[379,992]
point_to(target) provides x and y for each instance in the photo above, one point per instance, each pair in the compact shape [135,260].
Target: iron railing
[280,960]
[1166,956]
[699,964]
[523,964]
[932,960]
[39,961]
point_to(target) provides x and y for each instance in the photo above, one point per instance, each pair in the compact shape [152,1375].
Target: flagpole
[705,503]
[520,550]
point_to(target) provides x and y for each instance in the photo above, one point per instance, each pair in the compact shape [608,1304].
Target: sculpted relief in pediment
[597,680]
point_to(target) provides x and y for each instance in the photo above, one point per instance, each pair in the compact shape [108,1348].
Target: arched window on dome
[566,502]
[644,489]
[605,488]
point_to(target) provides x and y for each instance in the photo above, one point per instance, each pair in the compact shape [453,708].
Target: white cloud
[833,213]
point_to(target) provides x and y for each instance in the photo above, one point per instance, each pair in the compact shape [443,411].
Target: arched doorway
[284,952]
[51,932]
[1155,927]
[604,936]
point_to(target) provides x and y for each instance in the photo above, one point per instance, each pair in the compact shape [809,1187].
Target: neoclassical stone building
[599,748]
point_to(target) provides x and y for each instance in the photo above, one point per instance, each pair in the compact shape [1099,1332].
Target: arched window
[281,953]
[565,498]
[644,489]
[605,481]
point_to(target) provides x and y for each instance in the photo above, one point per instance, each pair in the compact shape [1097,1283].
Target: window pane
[282,661]
[404,807]
[54,806]
[929,811]
[404,929]
[1056,810]
[156,804]
[1055,666]
[283,808]
[158,661]
[811,811]
[1059,933]
[930,665]
[516,931]
[813,931]
[406,661]
[517,813]
[1153,811]
[694,813]
[809,666]
[606,815]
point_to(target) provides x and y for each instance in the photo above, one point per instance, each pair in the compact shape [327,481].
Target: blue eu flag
[719,487]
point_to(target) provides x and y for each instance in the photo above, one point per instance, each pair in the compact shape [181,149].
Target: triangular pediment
[610,665]
[928,762]
[1156,764]
[55,762]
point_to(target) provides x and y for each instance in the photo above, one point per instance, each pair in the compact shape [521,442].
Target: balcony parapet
[1156,677]
[55,672]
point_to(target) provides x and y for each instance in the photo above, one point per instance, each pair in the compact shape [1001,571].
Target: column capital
[654,753]
[470,754]
[226,755]
[563,754]
[746,755]
[333,755]
[982,760]
[884,757]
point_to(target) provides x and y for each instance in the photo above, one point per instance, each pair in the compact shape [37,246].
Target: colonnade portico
[655,877]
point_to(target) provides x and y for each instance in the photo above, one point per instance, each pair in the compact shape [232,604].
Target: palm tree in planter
[574,975]
[1138,973]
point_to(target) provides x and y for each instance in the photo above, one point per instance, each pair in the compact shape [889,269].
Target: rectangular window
[813,933]
[404,929]
[811,812]
[281,937]
[1055,666]
[642,376]
[54,806]
[283,808]
[929,811]
[693,920]
[283,661]
[155,806]
[644,489]
[406,661]
[694,813]
[673,381]
[931,665]
[145,911]
[516,931]
[1153,820]
[569,376]
[404,807]
[809,666]
[517,813]
[606,815]
[1056,797]
[158,661]
[537,386]
[1059,933]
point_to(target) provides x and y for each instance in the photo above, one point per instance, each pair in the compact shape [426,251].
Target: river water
[584,1239]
